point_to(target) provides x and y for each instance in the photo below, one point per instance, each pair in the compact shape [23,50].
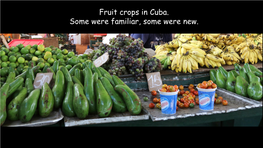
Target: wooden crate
[50,41]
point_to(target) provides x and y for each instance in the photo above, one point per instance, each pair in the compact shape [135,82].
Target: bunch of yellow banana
[161,50]
[212,58]
[250,53]
[174,44]
[230,56]
[161,57]
[187,58]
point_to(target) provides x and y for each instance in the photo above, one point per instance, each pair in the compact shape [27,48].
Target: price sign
[101,60]
[41,78]
[154,81]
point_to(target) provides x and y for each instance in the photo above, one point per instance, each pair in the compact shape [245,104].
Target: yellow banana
[207,64]
[235,55]
[213,57]
[181,64]
[251,57]
[227,56]
[199,50]
[212,63]
[215,35]
[198,38]
[247,57]
[199,44]
[175,44]
[205,46]
[240,46]
[215,50]
[259,46]
[244,54]
[255,57]
[235,59]
[160,57]
[218,64]
[198,59]
[223,62]
[187,46]
[197,53]
[243,50]
[189,66]
[233,62]
[234,41]
[229,63]
[230,49]
[178,60]
[259,54]
[183,50]
[179,50]
[193,62]
[184,64]
[173,65]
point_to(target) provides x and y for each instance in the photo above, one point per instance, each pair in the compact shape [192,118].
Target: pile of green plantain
[246,81]
[80,91]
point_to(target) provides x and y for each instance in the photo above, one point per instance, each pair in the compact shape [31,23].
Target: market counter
[238,118]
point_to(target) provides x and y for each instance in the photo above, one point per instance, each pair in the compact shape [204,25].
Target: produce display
[187,97]
[21,57]
[126,56]
[80,89]
[102,93]
[246,81]
[188,52]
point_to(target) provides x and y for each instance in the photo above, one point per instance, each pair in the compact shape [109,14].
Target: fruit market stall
[185,110]
[108,86]
[37,121]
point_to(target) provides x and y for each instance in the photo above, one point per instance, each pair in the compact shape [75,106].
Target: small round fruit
[214,85]
[224,102]
[154,93]
[172,89]
[181,87]
[191,105]
[198,85]
[204,85]
[158,105]
[187,92]
[12,58]
[163,90]
[21,60]
[181,105]
[192,90]
[164,86]
[196,93]
[220,98]
[155,100]
[186,104]
[218,101]
[145,98]
[210,81]
[197,101]
[175,87]
[215,95]
[209,84]
[151,105]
